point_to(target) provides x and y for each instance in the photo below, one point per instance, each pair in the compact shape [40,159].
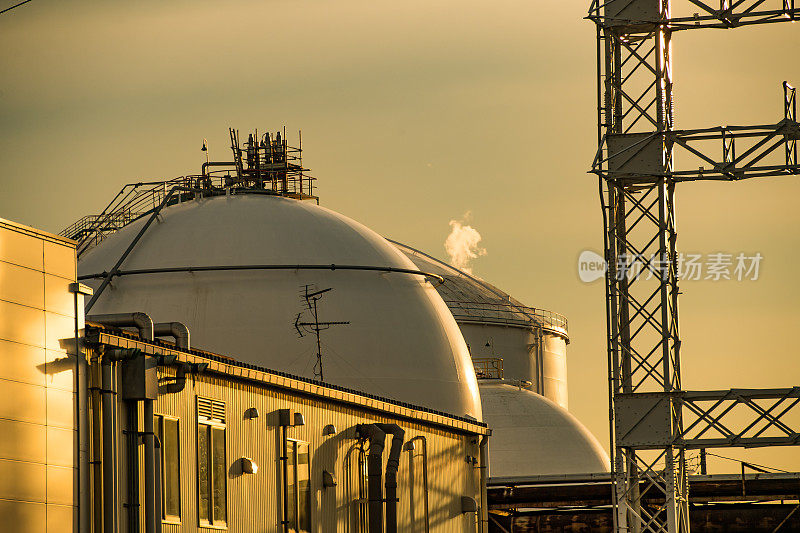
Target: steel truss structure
[653,420]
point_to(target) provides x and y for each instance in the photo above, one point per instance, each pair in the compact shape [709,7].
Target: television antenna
[311,297]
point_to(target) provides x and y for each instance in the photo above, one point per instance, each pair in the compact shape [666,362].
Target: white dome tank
[401,341]
[532,435]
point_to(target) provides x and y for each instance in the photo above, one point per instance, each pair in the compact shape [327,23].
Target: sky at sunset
[413,114]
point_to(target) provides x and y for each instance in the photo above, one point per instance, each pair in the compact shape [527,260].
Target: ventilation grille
[211,410]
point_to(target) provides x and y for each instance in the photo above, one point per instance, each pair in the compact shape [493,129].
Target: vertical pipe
[149,469]
[377,439]
[285,459]
[159,477]
[115,455]
[484,458]
[81,436]
[97,446]
[133,467]
[392,465]
[109,434]
[424,442]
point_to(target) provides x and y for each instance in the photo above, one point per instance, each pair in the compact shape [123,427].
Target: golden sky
[414,113]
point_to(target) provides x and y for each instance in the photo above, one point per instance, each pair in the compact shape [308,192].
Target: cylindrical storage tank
[400,341]
[532,343]
[532,435]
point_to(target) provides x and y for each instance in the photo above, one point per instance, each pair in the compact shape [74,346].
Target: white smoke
[463,244]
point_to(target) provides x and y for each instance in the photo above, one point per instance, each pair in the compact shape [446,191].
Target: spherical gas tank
[534,436]
[385,333]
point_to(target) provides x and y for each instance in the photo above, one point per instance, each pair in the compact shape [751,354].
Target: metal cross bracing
[653,421]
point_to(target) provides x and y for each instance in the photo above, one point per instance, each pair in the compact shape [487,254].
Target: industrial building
[144,434]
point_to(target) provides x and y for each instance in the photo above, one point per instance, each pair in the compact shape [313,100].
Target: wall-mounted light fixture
[248,465]
[328,479]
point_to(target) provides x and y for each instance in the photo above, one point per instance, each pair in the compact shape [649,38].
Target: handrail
[136,200]
[507,313]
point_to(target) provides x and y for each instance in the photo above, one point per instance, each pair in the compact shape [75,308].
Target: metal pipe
[204,168]
[109,448]
[97,443]
[285,476]
[159,476]
[177,330]
[377,438]
[80,425]
[180,380]
[141,321]
[149,468]
[484,459]
[424,445]
[133,467]
[392,465]
[115,458]
[166,270]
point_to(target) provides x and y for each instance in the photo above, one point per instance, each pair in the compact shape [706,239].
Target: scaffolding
[653,421]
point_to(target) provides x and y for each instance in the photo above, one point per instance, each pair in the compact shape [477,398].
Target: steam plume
[463,244]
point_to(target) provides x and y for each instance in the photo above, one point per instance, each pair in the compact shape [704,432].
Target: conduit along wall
[136,384]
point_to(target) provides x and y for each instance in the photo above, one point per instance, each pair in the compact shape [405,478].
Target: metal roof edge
[235,369]
[35,232]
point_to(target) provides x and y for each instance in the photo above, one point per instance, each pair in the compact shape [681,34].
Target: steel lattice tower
[653,420]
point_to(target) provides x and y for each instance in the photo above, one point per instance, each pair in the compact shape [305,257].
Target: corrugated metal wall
[254,499]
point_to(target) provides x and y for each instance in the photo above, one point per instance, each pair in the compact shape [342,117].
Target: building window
[298,487]
[212,471]
[168,436]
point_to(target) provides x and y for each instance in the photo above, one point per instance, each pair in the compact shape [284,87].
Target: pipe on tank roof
[207,164]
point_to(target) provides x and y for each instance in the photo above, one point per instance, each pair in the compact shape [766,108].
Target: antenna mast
[312,297]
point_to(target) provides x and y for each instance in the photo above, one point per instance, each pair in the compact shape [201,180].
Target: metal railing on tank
[136,200]
[132,202]
[488,367]
[507,314]
[263,164]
